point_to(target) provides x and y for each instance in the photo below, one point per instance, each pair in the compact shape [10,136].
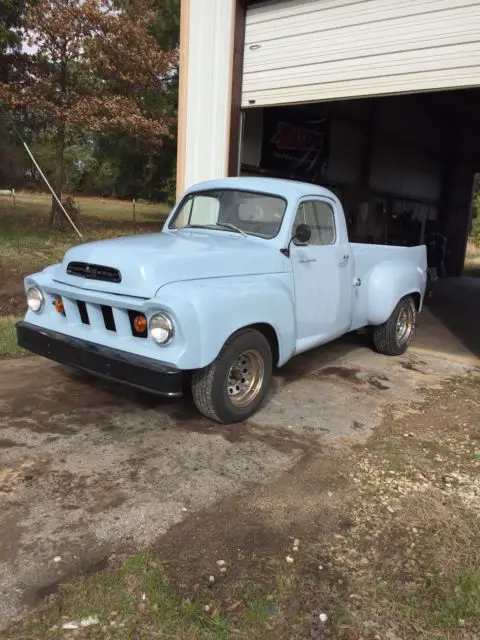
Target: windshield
[256,214]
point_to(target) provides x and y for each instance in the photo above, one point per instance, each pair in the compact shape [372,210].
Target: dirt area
[356,540]
[12,300]
[88,469]
[381,537]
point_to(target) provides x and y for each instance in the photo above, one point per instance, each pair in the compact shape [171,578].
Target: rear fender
[388,284]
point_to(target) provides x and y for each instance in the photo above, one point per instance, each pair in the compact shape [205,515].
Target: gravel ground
[88,468]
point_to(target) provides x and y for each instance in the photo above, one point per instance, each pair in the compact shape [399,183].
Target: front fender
[207,312]
[388,284]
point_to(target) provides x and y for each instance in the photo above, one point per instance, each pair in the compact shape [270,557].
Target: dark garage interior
[403,166]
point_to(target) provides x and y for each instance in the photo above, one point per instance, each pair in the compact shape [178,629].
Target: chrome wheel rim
[245,378]
[405,325]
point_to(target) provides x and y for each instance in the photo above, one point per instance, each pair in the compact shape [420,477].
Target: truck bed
[376,266]
[367,256]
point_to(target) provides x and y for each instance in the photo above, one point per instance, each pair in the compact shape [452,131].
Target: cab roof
[288,189]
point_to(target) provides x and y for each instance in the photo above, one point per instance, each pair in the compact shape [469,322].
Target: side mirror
[303,233]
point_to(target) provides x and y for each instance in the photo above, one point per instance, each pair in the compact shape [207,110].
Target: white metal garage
[386,91]
[312,50]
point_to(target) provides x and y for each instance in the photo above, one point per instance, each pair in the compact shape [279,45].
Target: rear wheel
[393,337]
[233,386]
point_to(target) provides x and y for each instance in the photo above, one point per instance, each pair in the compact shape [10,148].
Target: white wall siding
[207,95]
[311,50]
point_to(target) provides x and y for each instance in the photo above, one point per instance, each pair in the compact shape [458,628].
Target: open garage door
[312,50]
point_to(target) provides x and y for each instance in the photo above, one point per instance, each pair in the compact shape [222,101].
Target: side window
[321,220]
[299,216]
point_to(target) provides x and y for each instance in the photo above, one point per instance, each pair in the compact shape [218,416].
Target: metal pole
[52,191]
[15,216]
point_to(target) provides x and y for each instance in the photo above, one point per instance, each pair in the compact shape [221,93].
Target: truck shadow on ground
[316,364]
[455,305]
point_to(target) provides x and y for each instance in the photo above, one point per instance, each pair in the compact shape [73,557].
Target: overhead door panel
[309,50]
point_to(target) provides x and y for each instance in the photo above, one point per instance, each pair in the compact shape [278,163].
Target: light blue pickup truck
[246,273]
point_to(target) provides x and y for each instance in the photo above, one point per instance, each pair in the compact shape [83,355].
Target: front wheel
[233,386]
[393,337]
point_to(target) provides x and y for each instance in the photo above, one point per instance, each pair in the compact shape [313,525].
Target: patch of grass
[258,611]
[395,455]
[8,338]
[439,592]
[452,600]
[445,607]
[473,380]
[106,208]
[135,601]
[26,241]
[36,247]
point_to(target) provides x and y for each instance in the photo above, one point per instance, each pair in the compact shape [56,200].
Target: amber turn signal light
[59,305]
[140,323]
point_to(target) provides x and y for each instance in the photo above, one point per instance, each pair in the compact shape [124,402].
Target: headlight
[161,328]
[35,299]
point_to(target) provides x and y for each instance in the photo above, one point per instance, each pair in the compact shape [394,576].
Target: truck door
[323,275]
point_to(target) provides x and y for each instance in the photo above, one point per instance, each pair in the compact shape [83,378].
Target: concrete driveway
[88,467]
[449,326]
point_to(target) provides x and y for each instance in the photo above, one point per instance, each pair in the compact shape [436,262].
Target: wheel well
[271,335]
[417,299]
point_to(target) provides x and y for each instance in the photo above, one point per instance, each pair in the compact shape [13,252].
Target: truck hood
[149,262]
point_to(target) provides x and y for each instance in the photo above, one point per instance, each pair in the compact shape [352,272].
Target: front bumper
[136,371]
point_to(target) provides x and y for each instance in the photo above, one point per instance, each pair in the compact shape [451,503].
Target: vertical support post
[134,216]
[183,94]
[205,118]
[235,134]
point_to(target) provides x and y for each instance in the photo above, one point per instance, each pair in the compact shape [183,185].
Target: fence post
[15,215]
[134,216]
[11,194]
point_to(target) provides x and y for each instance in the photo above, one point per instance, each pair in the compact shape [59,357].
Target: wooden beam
[236,99]
[183,95]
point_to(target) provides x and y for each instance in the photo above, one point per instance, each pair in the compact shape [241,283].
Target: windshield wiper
[224,225]
[232,227]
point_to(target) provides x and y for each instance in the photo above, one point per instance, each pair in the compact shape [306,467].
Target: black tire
[387,338]
[211,386]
